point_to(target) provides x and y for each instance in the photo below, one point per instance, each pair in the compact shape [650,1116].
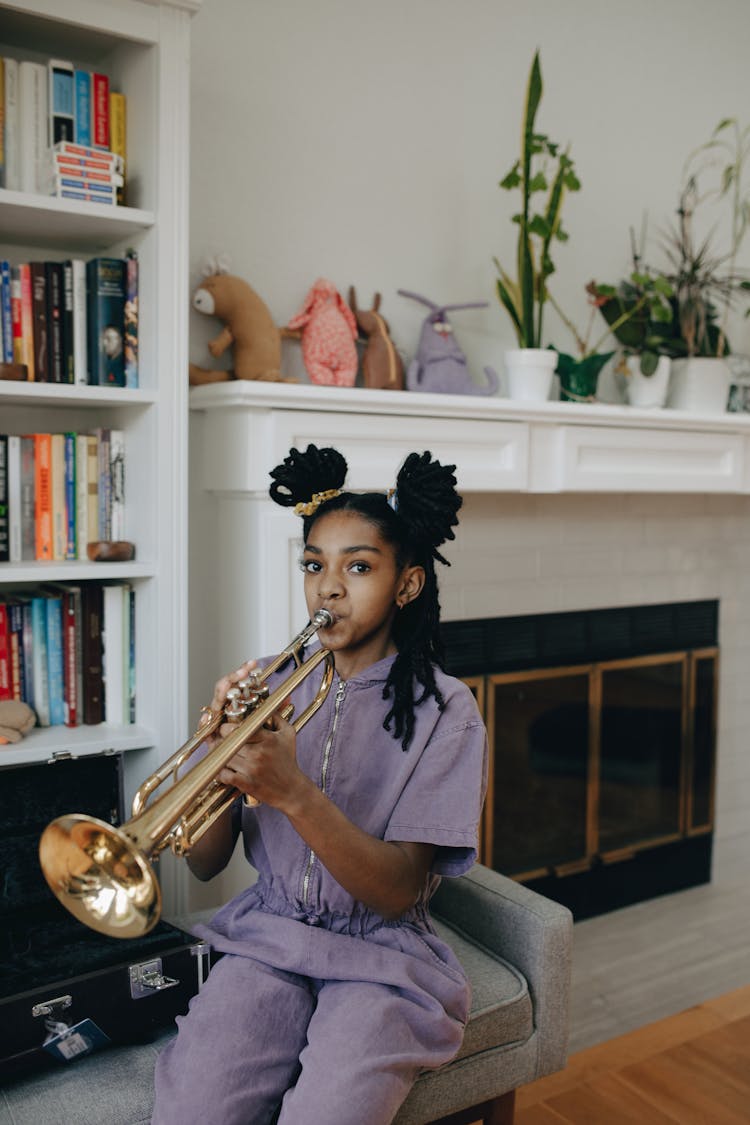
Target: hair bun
[300,475]
[427,500]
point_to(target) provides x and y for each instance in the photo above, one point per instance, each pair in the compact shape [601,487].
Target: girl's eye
[310,566]
[359,568]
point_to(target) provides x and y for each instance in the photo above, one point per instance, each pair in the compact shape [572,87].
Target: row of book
[45,105]
[60,492]
[68,650]
[72,321]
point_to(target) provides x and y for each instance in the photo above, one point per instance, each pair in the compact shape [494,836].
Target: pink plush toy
[328,334]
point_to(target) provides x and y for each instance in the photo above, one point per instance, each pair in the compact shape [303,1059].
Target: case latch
[147,978]
[52,1007]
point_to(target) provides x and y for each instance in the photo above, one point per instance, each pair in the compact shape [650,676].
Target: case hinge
[147,978]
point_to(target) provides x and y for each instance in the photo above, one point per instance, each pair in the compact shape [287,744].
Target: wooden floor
[689,1069]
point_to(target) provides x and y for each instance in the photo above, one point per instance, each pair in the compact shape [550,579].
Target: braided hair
[416,521]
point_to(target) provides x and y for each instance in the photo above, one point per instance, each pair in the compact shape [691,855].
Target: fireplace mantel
[499,445]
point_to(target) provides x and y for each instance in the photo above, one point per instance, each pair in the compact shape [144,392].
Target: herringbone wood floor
[688,1069]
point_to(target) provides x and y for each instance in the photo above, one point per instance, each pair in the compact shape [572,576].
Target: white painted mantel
[499,446]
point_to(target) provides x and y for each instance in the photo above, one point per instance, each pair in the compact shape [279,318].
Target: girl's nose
[330,587]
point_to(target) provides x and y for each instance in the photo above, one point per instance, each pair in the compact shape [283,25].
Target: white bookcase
[143,45]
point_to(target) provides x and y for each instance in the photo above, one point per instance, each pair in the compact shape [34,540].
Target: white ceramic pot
[647,390]
[699,385]
[529,373]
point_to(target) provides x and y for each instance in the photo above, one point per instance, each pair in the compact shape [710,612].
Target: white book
[14,497]
[114,649]
[12,154]
[33,124]
[117,482]
[82,495]
[80,366]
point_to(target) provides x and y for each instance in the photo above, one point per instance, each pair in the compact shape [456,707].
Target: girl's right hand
[219,700]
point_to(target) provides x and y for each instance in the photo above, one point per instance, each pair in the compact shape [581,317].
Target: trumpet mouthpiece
[322,619]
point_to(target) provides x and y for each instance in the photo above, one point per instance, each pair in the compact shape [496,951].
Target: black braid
[426,513]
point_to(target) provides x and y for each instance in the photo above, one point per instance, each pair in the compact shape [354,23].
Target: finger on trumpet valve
[235,707]
[206,714]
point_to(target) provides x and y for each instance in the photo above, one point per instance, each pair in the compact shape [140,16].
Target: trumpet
[103,874]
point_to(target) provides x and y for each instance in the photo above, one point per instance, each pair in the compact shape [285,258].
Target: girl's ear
[412,584]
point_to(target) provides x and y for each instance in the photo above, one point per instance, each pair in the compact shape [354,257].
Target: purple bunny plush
[439,365]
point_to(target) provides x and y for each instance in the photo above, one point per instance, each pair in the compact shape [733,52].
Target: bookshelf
[143,45]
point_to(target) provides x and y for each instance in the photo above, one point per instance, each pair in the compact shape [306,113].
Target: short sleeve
[442,801]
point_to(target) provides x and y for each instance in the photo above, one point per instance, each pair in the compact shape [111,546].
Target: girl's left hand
[265,767]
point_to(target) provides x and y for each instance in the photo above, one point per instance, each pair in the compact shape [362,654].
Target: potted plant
[541,169]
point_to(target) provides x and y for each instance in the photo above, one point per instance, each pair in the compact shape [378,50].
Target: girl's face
[351,571]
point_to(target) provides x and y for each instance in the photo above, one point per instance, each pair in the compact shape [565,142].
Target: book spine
[39,659]
[118,132]
[5,311]
[27,655]
[60,183]
[71,550]
[4,521]
[43,496]
[12,153]
[131,319]
[6,691]
[70,630]
[86,195]
[85,172]
[67,150]
[2,122]
[33,127]
[28,517]
[39,307]
[57,488]
[80,362]
[117,484]
[105,315]
[105,485]
[131,656]
[54,320]
[100,110]
[61,101]
[114,711]
[91,634]
[27,318]
[15,624]
[82,507]
[82,107]
[68,368]
[92,488]
[15,312]
[55,665]
[15,553]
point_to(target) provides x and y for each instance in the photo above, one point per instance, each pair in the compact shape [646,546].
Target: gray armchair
[515,946]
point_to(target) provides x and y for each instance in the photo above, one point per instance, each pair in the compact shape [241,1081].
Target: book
[54,276]
[82,495]
[43,496]
[27,318]
[39,317]
[39,659]
[12,150]
[104,483]
[15,312]
[28,512]
[80,359]
[72,669]
[101,192]
[100,110]
[114,672]
[117,484]
[6,691]
[57,489]
[130,640]
[118,132]
[68,370]
[131,319]
[17,663]
[15,553]
[55,664]
[61,101]
[69,447]
[105,314]
[4,521]
[85,171]
[5,311]
[33,129]
[82,107]
[89,154]
[92,702]
[92,488]
[86,195]
[2,122]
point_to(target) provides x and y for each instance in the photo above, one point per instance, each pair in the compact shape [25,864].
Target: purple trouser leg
[238,1049]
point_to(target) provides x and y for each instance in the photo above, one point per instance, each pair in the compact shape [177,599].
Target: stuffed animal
[382,366]
[440,365]
[249,329]
[16,720]
[328,334]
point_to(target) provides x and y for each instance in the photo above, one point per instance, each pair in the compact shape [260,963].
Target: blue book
[5,311]
[55,663]
[105,319]
[82,107]
[69,447]
[61,100]
[40,675]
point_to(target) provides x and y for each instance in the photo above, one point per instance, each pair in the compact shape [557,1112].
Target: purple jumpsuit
[321,1011]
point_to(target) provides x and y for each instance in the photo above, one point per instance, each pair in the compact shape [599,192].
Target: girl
[334,990]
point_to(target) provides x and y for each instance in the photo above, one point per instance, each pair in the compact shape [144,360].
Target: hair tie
[392,499]
[317,498]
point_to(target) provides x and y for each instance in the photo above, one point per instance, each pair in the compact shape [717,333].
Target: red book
[27,318]
[6,689]
[15,312]
[43,495]
[100,110]
[71,643]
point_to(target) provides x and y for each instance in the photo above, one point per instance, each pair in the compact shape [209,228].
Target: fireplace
[602,730]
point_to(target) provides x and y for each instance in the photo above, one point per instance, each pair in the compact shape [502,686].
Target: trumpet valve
[236,706]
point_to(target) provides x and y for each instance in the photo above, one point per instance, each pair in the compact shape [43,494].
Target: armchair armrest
[526,929]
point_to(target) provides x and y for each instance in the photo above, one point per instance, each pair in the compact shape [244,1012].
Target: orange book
[27,319]
[43,495]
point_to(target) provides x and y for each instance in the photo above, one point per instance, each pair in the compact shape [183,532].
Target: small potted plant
[542,169]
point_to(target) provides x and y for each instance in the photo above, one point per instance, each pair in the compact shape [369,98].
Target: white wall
[364,142]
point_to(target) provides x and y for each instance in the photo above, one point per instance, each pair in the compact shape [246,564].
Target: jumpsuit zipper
[323,777]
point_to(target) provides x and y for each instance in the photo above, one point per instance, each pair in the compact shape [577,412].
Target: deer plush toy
[328,331]
[382,366]
[248,328]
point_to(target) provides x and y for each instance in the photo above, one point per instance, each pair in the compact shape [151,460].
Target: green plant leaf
[538,182]
[649,362]
[513,178]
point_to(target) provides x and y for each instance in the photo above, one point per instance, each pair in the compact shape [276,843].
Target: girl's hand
[265,767]
[219,700]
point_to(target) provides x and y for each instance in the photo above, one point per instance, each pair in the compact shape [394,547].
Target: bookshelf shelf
[59,394]
[44,745]
[38,572]
[60,223]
